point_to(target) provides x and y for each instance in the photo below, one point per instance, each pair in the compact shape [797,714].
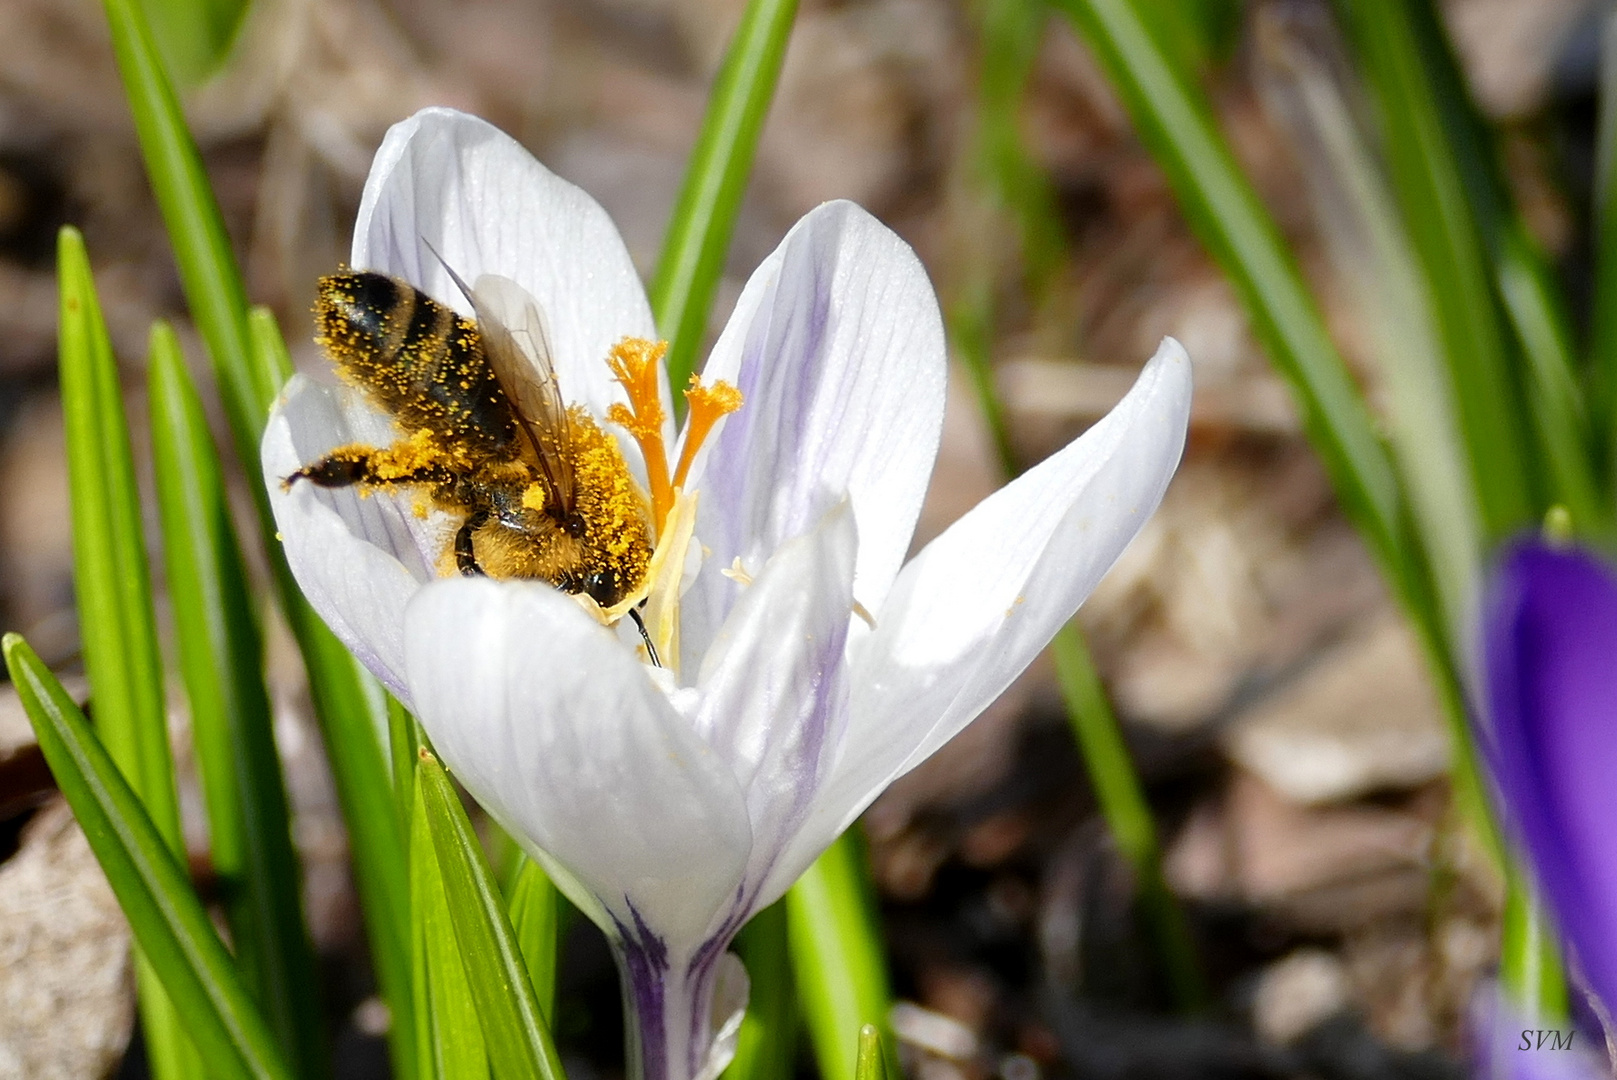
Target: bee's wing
[517,344]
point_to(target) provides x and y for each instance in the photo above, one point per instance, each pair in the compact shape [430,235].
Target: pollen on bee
[420,451]
[533,496]
[608,499]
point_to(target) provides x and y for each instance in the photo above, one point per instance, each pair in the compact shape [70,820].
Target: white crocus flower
[807,665]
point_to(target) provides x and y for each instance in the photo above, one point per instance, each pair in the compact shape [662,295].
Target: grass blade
[1010,37]
[767,1044]
[244,358]
[114,598]
[1198,33]
[194,35]
[405,739]
[871,1063]
[169,921]
[1526,284]
[1530,957]
[1012,33]
[109,563]
[348,701]
[1603,305]
[1372,254]
[1128,815]
[1537,313]
[208,271]
[1222,207]
[838,960]
[514,1030]
[451,1043]
[1426,178]
[704,217]
[221,655]
[536,919]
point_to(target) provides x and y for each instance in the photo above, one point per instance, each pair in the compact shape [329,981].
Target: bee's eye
[574,524]
[602,587]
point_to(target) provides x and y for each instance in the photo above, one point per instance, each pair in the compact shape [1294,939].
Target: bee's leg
[357,464]
[334,471]
[465,558]
[651,650]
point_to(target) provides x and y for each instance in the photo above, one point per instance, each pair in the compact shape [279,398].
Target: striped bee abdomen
[416,359]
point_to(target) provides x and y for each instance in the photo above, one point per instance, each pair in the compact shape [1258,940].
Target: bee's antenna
[645,637]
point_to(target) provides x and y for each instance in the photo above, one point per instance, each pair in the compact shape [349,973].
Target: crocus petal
[1550,640]
[969,613]
[558,731]
[837,347]
[773,688]
[358,558]
[457,183]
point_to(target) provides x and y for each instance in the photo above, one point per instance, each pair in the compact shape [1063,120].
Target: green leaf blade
[766,1046]
[451,1045]
[222,659]
[243,357]
[114,598]
[194,35]
[173,929]
[715,180]
[838,959]
[1225,212]
[208,271]
[871,1063]
[109,563]
[514,1030]
[1426,176]
[1128,815]
[352,710]
[536,909]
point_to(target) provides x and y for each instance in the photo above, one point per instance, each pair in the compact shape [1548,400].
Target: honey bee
[541,491]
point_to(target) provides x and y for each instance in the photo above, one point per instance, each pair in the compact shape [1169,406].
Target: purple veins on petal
[1550,648]
[644,956]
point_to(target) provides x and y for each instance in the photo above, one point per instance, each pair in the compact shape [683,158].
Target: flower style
[805,665]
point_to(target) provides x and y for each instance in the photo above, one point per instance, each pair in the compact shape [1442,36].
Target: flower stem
[667,1007]
[1530,960]
[1128,816]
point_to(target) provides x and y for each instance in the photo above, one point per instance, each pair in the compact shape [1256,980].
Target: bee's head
[356,303]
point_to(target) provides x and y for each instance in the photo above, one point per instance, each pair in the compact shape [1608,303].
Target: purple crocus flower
[1550,652]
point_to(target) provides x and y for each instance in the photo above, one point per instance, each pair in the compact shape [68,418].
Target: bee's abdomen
[415,358]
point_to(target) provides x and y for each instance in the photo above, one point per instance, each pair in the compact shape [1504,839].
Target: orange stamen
[707,405]
[635,363]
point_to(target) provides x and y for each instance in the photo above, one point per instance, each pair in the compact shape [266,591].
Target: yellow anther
[707,405]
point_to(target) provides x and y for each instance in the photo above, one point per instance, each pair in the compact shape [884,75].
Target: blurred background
[1277,706]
